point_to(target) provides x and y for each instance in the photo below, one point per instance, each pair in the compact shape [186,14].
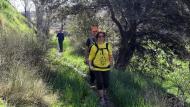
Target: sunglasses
[101,36]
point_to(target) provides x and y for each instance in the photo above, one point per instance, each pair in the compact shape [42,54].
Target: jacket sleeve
[57,34]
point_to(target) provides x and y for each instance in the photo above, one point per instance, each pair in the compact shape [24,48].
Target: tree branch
[114,18]
[168,40]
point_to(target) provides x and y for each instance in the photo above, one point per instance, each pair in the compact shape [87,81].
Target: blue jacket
[60,36]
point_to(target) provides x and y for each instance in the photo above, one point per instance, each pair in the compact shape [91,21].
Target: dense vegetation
[150,41]
[153,39]
[20,54]
[128,89]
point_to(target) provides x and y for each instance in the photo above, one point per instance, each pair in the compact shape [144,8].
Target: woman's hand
[86,61]
[90,65]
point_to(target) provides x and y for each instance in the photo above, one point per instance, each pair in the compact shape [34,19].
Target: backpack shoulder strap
[107,46]
[95,44]
[92,40]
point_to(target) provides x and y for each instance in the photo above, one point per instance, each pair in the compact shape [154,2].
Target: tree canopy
[165,23]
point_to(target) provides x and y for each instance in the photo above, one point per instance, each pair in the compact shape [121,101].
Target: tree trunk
[39,20]
[120,61]
[62,23]
[127,46]
[127,41]
[42,24]
[126,50]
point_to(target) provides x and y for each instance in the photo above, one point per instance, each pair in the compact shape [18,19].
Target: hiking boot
[106,98]
[92,85]
[102,102]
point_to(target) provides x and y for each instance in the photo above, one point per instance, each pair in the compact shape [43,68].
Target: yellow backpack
[101,58]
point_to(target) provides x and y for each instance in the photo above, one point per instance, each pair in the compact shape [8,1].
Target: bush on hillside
[20,83]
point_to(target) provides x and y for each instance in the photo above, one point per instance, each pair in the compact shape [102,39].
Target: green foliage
[23,88]
[79,27]
[133,90]
[1,103]
[73,89]
[20,55]
[18,58]
[69,56]
[12,19]
[126,88]
[179,80]
[164,68]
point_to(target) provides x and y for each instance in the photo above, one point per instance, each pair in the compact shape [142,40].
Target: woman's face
[101,37]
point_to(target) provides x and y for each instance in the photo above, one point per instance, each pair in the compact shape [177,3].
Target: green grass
[1,103]
[73,88]
[68,56]
[126,88]
[12,19]
[22,85]
[132,90]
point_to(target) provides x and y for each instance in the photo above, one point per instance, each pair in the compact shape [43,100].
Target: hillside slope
[21,83]
[10,19]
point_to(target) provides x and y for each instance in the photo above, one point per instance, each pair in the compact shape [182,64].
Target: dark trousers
[60,45]
[102,79]
[92,76]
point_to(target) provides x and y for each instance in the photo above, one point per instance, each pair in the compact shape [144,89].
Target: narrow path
[81,73]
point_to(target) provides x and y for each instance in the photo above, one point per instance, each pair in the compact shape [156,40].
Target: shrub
[20,83]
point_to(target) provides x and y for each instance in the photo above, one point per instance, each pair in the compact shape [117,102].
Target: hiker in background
[100,60]
[60,36]
[89,42]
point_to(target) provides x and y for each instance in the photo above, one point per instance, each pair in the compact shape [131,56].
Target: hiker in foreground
[60,36]
[100,60]
[89,42]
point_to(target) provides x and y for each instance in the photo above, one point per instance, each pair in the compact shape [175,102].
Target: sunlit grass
[1,103]
[132,90]
[13,19]
[20,82]
[74,90]
[68,57]
[126,89]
